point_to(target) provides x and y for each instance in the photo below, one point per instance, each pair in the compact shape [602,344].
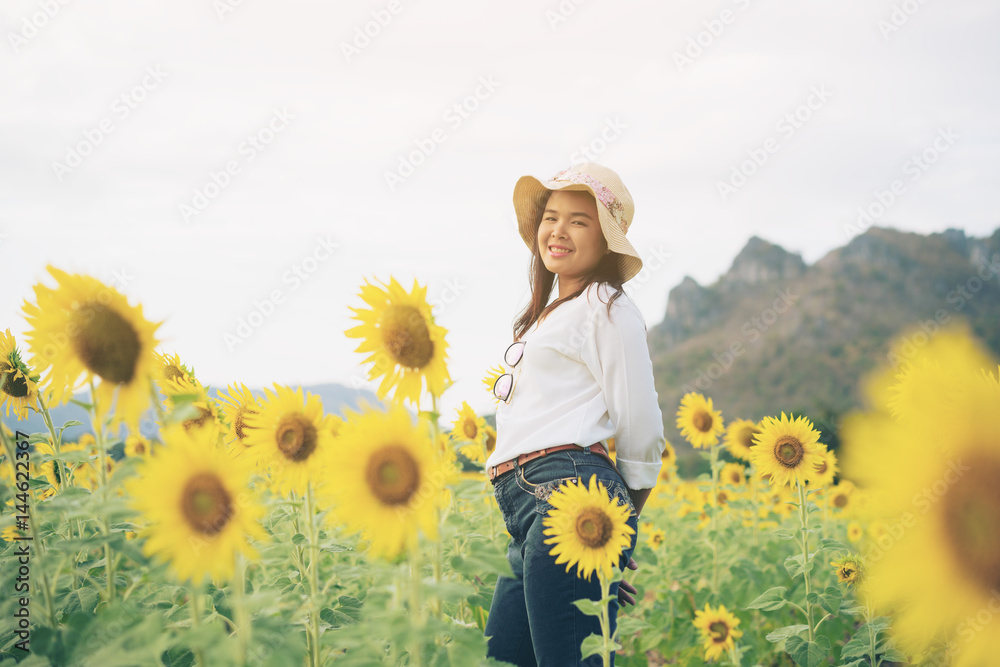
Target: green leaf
[594,645]
[830,599]
[795,567]
[806,653]
[298,538]
[833,545]
[770,600]
[781,634]
[71,422]
[784,534]
[588,607]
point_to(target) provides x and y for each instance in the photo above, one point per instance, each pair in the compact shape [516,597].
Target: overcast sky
[204,157]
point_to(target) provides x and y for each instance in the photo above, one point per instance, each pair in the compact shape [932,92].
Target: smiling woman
[581,378]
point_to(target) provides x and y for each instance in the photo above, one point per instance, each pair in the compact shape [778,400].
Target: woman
[580,374]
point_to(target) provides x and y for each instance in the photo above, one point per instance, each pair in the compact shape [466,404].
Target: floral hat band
[614,208]
[605,196]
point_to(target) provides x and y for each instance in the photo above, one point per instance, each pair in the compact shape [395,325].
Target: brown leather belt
[506,466]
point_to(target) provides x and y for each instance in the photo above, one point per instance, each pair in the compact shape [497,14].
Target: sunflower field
[263,530]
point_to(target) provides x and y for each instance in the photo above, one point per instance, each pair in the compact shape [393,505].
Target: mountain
[335,398]
[773,334]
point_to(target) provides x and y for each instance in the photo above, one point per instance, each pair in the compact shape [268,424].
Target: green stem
[715,511]
[416,615]
[313,574]
[243,627]
[61,476]
[98,426]
[196,622]
[804,516]
[605,621]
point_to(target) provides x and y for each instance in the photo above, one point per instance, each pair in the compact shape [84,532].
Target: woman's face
[570,223]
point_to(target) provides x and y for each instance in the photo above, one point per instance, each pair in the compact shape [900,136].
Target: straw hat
[614,207]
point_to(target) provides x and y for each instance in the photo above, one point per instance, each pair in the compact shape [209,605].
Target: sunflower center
[746,437]
[788,451]
[593,527]
[105,342]
[821,468]
[470,429]
[840,500]
[491,442]
[204,415]
[406,337]
[702,421]
[239,423]
[719,631]
[393,475]
[172,372]
[205,503]
[15,387]
[972,514]
[296,437]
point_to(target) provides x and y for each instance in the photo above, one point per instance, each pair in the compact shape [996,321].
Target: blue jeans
[532,619]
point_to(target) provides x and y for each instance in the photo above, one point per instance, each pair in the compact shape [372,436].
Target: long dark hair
[541,280]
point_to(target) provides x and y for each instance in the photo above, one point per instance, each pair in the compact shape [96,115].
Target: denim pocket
[545,490]
[618,491]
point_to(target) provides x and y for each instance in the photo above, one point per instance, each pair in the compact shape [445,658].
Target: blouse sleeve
[618,355]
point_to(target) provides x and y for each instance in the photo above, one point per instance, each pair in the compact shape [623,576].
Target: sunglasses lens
[502,387]
[514,353]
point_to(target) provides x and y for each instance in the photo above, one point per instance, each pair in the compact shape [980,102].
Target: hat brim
[530,195]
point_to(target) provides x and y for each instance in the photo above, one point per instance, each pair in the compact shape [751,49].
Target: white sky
[682,129]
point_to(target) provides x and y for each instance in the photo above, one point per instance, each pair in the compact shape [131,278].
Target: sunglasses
[504,385]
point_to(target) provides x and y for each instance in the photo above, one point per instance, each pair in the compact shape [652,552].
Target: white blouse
[583,379]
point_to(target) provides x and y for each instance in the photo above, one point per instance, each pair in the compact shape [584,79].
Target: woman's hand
[626,591]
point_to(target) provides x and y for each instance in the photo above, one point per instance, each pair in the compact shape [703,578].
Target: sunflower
[193,394]
[733,473]
[136,445]
[739,438]
[925,380]
[718,630]
[83,330]
[18,387]
[654,536]
[668,457]
[854,531]
[588,529]
[490,379]
[407,347]
[943,512]
[698,422]
[392,484]
[169,369]
[197,509]
[786,449]
[826,470]
[291,439]
[469,427]
[236,406]
[849,569]
[840,495]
